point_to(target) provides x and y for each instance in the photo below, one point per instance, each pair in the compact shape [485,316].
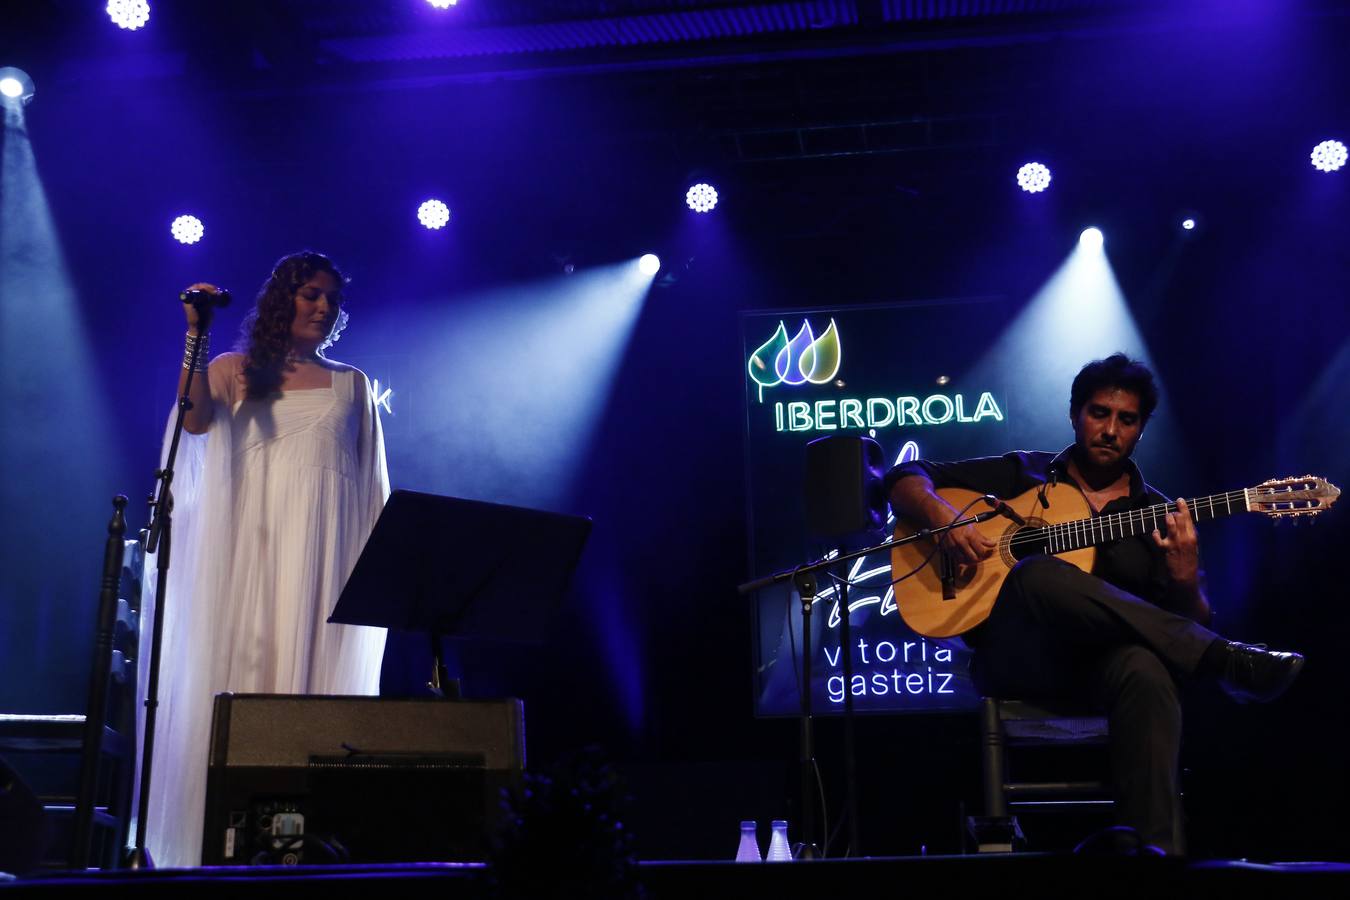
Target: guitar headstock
[1291,498]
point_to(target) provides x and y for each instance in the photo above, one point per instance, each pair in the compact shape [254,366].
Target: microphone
[206,298]
[1004,509]
[1054,479]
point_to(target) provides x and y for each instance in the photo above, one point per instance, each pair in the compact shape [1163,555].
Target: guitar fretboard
[1082,533]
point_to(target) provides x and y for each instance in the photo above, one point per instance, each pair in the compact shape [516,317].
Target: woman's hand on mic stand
[199,411]
[199,316]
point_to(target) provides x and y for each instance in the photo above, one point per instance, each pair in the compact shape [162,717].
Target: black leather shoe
[1257,675]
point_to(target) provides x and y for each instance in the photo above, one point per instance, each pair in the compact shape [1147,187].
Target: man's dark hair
[1116,371]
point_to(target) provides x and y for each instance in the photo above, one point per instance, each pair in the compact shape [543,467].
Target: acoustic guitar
[942,599]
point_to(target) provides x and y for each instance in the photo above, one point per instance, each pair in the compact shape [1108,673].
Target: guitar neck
[1082,533]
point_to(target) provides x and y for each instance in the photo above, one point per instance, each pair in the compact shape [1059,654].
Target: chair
[1007,724]
[55,744]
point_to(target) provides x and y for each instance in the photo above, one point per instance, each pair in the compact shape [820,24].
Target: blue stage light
[649,264]
[129,14]
[701,198]
[1187,224]
[433,214]
[187,229]
[11,88]
[1033,178]
[1329,156]
[442,4]
[1091,239]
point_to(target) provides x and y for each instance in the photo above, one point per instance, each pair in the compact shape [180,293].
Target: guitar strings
[1104,525]
[1088,530]
[1084,532]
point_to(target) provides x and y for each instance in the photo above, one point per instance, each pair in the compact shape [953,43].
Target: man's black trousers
[1058,633]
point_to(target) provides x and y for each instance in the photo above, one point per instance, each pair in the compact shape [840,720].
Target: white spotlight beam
[1079,314]
[511,383]
[56,444]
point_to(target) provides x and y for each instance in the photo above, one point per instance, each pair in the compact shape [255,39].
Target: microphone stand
[804,579]
[161,530]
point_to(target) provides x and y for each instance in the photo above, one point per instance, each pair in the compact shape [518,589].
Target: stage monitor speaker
[300,779]
[844,492]
[23,823]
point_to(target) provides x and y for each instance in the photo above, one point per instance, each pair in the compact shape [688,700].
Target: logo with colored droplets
[803,359]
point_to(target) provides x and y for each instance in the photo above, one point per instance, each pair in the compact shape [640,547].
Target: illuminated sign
[798,387]
[805,359]
[883,668]
[881,412]
[382,397]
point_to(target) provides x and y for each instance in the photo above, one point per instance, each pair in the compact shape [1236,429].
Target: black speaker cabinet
[300,779]
[844,493]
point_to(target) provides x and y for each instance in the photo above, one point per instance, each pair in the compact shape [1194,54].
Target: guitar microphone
[1045,486]
[206,298]
[1004,509]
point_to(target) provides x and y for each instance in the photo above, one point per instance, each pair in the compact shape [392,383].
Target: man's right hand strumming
[913,499]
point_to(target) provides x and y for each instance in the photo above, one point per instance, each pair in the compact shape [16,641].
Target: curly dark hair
[265,335]
[1116,371]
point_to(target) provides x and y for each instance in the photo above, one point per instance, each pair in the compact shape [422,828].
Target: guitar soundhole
[1020,542]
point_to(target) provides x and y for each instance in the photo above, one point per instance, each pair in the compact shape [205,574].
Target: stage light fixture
[701,197]
[1091,239]
[1329,156]
[442,4]
[1188,222]
[1033,177]
[433,214]
[129,14]
[15,84]
[649,264]
[187,229]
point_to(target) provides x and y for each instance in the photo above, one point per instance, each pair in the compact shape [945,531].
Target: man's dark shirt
[1134,564]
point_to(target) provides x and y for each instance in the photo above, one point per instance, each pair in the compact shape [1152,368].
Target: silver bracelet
[202,344]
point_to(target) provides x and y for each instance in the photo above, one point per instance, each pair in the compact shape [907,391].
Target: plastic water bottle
[779,850]
[749,848]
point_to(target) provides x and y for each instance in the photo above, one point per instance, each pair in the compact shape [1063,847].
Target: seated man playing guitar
[1119,637]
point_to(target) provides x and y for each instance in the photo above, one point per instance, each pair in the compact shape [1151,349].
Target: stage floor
[1039,875]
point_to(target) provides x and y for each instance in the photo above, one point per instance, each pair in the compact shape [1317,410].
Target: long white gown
[272,508]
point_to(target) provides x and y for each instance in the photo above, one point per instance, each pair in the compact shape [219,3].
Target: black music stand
[466,569]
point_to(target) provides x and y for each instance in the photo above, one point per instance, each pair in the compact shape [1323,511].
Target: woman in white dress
[274,502]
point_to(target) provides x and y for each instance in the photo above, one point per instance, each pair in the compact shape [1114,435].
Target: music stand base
[138,858]
[441,684]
